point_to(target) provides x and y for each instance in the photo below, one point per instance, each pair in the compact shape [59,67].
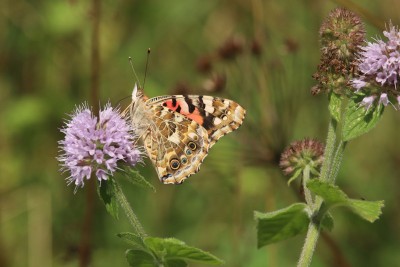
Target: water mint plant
[360,78]
[105,148]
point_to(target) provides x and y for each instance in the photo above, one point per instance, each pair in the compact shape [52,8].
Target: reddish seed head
[300,154]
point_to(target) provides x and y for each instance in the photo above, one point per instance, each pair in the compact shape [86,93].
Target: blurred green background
[265,51]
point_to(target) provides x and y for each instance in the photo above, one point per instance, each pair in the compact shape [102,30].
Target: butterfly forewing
[218,116]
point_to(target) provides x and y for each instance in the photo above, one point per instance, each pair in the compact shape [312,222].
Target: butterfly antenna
[134,72]
[147,64]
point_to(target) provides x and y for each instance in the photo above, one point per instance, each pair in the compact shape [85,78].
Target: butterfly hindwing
[175,144]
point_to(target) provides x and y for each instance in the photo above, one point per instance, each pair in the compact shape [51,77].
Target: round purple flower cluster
[96,145]
[379,66]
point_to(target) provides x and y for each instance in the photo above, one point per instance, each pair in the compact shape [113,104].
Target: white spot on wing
[174,138]
[217,121]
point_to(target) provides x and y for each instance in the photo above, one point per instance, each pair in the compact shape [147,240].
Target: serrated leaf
[334,196]
[369,210]
[135,178]
[134,240]
[107,193]
[359,121]
[335,103]
[329,192]
[281,224]
[174,249]
[139,258]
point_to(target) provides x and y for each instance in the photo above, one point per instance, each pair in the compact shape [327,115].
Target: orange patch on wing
[195,116]
[170,106]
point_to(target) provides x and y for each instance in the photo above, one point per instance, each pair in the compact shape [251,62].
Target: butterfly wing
[182,130]
[218,116]
[175,144]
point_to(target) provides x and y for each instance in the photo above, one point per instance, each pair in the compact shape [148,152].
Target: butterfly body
[177,131]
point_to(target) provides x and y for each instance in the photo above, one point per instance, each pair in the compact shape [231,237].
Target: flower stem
[307,193]
[336,161]
[309,245]
[334,150]
[129,212]
[329,150]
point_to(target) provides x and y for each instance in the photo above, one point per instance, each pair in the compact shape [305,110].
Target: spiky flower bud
[299,154]
[342,34]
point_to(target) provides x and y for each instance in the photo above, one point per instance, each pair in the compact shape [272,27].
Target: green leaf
[369,210]
[329,192]
[359,121]
[173,249]
[106,191]
[135,178]
[139,258]
[281,224]
[133,240]
[333,197]
[176,263]
[335,103]
[327,222]
[294,176]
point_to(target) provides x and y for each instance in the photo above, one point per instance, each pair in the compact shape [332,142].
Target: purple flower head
[379,67]
[96,145]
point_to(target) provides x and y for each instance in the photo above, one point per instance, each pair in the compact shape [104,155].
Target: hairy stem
[337,160]
[329,150]
[334,150]
[309,245]
[129,212]
[307,193]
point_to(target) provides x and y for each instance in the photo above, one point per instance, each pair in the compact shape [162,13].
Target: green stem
[329,150]
[309,245]
[333,157]
[129,212]
[307,193]
[337,160]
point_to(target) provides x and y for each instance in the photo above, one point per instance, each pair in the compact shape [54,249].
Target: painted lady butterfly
[178,130]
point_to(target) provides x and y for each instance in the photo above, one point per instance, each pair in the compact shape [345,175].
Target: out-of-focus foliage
[45,64]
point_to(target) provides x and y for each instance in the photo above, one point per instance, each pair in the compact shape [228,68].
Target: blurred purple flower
[96,145]
[379,66]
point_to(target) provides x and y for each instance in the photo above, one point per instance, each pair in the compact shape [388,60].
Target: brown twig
[337,254]
[85,249]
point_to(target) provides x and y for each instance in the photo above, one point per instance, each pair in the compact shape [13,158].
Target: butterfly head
[137,94]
